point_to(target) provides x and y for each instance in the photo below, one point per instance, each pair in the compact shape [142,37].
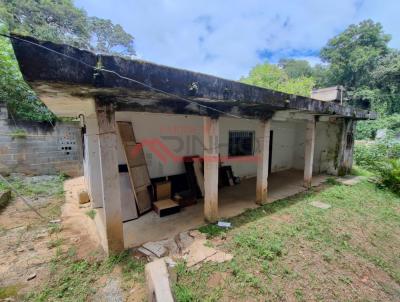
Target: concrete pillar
[211,164]
[309,151]
[263,138]
[346,147]
[110,177]
[92,162]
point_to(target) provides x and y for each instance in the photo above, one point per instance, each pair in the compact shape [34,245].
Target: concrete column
[263,134]
[92,162]
[211,164]
[309,151]
[346,147]
[110,177]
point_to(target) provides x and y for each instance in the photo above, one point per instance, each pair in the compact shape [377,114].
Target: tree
[273,77]
[58,21]
[386,80]
[354,53]
[110,38]
[322,77]
[61,22]
[22,101]
[353,57]
[296,68]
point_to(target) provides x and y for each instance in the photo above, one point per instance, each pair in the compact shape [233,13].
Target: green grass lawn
[292,251]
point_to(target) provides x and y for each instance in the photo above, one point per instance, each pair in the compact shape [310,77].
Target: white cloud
[225,37]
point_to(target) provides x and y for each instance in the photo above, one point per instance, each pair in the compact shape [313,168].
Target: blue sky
[227,37]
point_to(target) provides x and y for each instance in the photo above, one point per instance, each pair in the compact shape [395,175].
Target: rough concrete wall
[44,150]
[346,147]
[91,162]
[326,143]
[184,136]
[326,147]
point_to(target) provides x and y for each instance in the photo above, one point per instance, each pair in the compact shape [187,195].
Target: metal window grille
[241,143]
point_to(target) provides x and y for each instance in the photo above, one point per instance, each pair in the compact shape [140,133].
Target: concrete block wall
[44,150]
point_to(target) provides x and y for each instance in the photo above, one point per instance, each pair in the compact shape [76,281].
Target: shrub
[368,129]
[367,155]
[383,158]
[389,174]
[370,155]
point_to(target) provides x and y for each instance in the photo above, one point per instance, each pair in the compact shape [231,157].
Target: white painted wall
[325,147]
[184,135]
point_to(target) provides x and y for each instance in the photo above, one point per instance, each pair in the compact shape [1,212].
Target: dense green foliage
[57,21]
[368,129]
[383,158]
[22,101]
[360,59]
[389,173]
[60,21]
[273,77]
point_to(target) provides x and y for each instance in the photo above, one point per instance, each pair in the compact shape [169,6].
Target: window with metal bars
[241,143]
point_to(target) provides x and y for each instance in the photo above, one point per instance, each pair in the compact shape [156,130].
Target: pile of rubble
[192,247]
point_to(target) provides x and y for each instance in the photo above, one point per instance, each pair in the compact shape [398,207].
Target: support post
[346,148]
[309,151]
[92,162]
[211,163]
[110,177]
[262,161]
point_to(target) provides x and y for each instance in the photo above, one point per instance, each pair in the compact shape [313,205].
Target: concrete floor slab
[232,201]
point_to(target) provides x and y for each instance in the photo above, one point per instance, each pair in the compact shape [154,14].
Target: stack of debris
[190,246]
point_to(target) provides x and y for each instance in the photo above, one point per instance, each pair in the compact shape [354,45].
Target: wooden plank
[129,210]
[140,176]
[198,173]
[126,132]
[191,177]
[138,159]
[143,200]
[137,167]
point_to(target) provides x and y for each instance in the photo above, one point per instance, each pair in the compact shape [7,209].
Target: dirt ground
[29,246]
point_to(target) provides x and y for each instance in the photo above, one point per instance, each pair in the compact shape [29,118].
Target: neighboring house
[178,113]
[329,94]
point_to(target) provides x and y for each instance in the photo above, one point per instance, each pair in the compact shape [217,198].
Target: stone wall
[39,148]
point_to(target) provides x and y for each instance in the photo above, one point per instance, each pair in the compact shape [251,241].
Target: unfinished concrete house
[166,149]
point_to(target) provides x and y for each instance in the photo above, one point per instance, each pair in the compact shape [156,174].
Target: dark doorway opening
[271,140]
